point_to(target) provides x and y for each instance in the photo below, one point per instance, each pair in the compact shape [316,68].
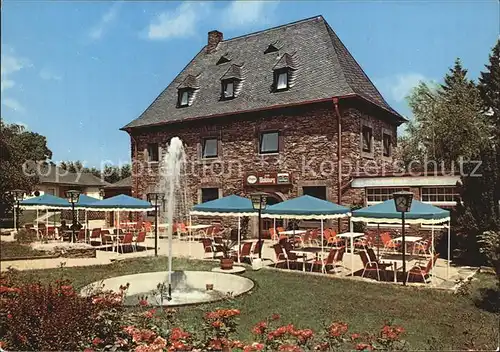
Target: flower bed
[53,317]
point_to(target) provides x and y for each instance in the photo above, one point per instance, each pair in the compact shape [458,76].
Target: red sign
[268,179]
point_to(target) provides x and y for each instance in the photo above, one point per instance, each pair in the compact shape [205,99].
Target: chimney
[214,38]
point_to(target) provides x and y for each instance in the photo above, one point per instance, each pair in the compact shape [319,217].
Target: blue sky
[77,71]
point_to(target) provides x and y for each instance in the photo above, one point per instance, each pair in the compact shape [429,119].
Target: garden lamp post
[403,200]
[259,204]
[156,200]
[72,196]
[18,195]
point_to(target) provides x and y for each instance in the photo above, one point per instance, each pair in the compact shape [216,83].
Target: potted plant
[226,248]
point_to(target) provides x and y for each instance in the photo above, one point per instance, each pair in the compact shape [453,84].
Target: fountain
[180,287]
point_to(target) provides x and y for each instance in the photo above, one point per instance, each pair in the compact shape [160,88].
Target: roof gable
[324,69]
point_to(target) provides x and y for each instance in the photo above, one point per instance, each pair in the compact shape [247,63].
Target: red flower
[217,324]
[88,350]
[337,329]
[9,316]
[96,341]
[237,344]
[355,336]
[150,313]
[178,334]
[143,302]
[364,347]
[322,347]
[260,328]
[275,317]
[216,344]
[253,347]
[289,348]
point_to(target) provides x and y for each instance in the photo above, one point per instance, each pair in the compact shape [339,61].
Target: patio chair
[141,238]
[273,234]
[369,266]
[218,240]
[422,247]
[373,258]
[389,243]
[51,232]
[208,247]
[280,255]
[331,238]
[81,236]
[148,227]
[95,235]
[422,271]
[107,240]
[254,253]
[126,241]
[244,252]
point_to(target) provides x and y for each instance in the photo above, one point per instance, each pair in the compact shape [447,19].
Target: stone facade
[308,150]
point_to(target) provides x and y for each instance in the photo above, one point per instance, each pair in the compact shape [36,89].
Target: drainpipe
[135,172]
[339,156]
[339,150]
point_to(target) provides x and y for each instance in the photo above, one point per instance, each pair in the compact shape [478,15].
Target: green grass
[309,301]
[15,250]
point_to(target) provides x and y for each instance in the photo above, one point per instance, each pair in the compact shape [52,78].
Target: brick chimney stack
[214,38]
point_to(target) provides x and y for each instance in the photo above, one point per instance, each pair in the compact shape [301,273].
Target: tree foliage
[489,87]
[448,121]
[110,173]
[18,145]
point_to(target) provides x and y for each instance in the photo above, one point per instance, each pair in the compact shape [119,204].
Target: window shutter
[199,150]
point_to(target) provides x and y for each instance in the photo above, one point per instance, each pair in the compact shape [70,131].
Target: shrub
[26,236]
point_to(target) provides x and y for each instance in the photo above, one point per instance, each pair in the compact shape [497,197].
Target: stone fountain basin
[188,287]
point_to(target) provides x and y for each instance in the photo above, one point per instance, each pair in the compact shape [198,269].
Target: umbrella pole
[274,229]
[432,253]
[117,229]
[46,223]
[37,234]
[351,227]
[86,226]
[322,247]
[449,251]
[378,243]
[239,236]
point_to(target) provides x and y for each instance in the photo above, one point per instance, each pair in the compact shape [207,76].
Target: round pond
[188,287]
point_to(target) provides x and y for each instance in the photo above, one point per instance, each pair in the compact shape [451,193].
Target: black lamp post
[156,200]
[259,204]
[72,196]
[403,200]
[18,195]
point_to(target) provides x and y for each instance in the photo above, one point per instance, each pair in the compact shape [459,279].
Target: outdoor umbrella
[420,213]
[307,207]
[231,206]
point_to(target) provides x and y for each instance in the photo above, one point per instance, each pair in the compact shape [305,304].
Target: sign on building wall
[268,179]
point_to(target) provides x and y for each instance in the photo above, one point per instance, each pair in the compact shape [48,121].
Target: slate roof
[54,174]
[124,183]
[324,69]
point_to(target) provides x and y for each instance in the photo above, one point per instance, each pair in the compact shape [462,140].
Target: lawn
[310,301]
[15,250]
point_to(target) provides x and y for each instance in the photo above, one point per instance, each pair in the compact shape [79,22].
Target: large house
[287,111]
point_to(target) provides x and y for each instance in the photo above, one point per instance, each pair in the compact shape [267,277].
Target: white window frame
[390,191]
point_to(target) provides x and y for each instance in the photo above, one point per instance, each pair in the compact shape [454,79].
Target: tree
[448,121]
[477,210]
[489,87]
[17,147]
[126,171]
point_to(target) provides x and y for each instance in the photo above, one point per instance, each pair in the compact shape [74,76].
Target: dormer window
[228,89]
[281,81]
[183,98]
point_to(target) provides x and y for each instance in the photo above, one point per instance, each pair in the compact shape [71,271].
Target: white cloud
[106,20]
[11,64]
[181,22]
[245,13]
[48,75]
[398,87]
[13,104]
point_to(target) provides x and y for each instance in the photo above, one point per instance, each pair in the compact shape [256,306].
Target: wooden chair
[256,249]
[208,247]
[95,236]
[81,236]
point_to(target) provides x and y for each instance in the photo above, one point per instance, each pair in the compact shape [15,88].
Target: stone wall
[308,150]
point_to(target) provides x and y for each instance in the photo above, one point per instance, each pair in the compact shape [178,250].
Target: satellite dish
[37,193]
